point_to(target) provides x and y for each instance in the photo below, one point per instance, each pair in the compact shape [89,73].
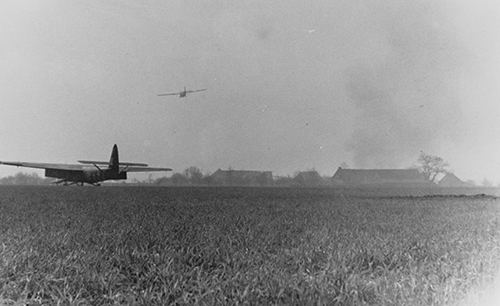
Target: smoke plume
[404,93]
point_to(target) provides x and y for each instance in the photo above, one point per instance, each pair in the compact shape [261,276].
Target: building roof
[308,174]
[378,176]
[241,172]
[311,178]
[451,180]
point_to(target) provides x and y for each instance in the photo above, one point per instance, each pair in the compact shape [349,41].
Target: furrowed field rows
[157,246]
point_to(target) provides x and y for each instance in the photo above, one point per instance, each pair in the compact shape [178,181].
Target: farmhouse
[242,178]
[308,178]
[451,180]
[357,177]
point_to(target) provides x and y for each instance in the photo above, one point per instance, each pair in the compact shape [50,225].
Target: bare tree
[431,166]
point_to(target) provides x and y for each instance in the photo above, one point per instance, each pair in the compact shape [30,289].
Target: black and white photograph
[221,152]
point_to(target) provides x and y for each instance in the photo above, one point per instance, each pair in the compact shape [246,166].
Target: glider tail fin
[114,163]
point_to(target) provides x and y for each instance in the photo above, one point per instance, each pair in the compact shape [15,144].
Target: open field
[156,246]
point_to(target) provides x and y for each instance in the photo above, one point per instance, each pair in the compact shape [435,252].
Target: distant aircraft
[88,171]
[182,94]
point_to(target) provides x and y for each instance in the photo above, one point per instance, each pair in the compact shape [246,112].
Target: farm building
[356,177]
[308,178]
[242,178]
[451,180]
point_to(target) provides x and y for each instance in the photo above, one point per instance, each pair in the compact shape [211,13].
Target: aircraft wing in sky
[197,90]
[182,94]
[170,94]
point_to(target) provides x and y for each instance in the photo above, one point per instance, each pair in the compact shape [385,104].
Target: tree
[162,181]
[194,175]
[178,179]
[431,166]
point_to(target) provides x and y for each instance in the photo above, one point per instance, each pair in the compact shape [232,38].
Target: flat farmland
[158,246]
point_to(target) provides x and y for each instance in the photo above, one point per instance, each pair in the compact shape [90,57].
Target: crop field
[209,246]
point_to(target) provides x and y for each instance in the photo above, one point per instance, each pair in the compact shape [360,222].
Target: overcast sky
[292,85]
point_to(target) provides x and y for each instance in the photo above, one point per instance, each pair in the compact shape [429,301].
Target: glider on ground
[88,171]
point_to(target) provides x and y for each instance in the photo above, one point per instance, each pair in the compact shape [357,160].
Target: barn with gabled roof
[357,177]
[451,180]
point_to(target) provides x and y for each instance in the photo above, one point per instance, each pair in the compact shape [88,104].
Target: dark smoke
[406,98]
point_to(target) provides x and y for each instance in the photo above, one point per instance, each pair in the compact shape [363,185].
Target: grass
[157,246]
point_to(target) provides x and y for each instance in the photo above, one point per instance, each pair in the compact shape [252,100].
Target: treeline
[193,176]
[21,178]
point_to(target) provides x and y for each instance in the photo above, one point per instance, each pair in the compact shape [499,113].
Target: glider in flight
[88,171]
[182,94]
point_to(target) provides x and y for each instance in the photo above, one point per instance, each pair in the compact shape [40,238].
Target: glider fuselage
[90,176]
